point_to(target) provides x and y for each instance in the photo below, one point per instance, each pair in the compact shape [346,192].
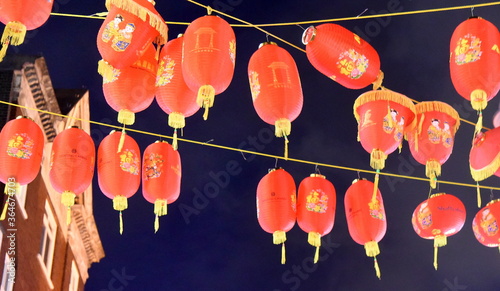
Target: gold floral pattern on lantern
[254,84]
[468,49]
[153,166]
[129,162]
[317,203]
[20,146]
[165,72]
[352,64]
[232,51]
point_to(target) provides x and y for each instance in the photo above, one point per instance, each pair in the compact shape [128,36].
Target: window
[75,278]
[8,277]
[48,242]
[21,200]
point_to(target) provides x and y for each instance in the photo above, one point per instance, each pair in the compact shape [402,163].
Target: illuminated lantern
[342,56]
[485,224]
[161,177]
[72,165]
[474,60]
[383,117]
[276,205]
[172,94]
[316,204]
[128,30]
[366,218]
[20,16]
[132,89]
[209,56]
[21,151]
[484,156]
[440,216]
[118,173]
[431,142]
[276,88]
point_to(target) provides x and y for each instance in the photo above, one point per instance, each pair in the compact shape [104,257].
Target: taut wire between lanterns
[254,152]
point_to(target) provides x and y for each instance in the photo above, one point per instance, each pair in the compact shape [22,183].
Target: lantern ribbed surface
[341,55]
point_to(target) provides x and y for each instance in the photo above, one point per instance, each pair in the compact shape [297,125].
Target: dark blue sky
[210,239]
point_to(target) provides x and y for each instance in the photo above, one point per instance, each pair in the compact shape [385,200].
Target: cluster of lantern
[20,16]
[278,207]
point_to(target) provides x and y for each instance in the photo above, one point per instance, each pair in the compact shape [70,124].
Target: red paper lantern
[132,89]
[366,219]
[161,177]
[440,216]
[431,142]
[276,89]
[72,165]
[316,205]
[172,94]
[209,55]
[474,59]
[383,119]
[484,157]
[128,30]
[21,151]
[118,172]
[20,16]
[342,56]
[485,224]
[276,205]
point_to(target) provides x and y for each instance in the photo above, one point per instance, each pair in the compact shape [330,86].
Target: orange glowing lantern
[72,165]
[440,216]
[161,177]
[132,89]
[172,94]
[20,16]
[366,218]
[209,56]
[383,117]
[431,142]
[276,88]
[118,172]
[128,30]
[21,151]
[316,205]
[342,56]
[484,157]
[485,225]
[474,59]
[276,205]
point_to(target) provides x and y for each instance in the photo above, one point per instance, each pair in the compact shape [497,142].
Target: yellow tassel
[9,196]
[286,147]
[283,254]
[435,257]
[478,190]
[400,146]
[121,223]
[121,141]
[372,249]
[157,223]
[205,98]
[68,200]
[126,117]
[3,51]
[432,171]
[377,269]
[375,188]
[14,33]
[478,99]
[282,127]
[378,82]
[479,124]
[439,241]
[174,140]
[107,71]
[4,212]
[120,203]
[377,159]
[176,120]
[487,171]
[314,239]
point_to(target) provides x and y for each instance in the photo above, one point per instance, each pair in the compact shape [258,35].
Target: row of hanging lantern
[72,162]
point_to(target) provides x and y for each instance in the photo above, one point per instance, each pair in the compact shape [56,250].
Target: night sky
[210,239]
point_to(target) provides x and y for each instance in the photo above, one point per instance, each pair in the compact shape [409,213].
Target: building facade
[39,250]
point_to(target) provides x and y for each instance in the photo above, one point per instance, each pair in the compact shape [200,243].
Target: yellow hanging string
[122,140]
[479,124]
[283,254]
[478,190]
[157,223]
[205,113]
[3,51]
[121,223]
[439,241]
[120,203]
[279,237]
[375,188]
[377,269]
[174,140]
[160,209]
[286,147]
